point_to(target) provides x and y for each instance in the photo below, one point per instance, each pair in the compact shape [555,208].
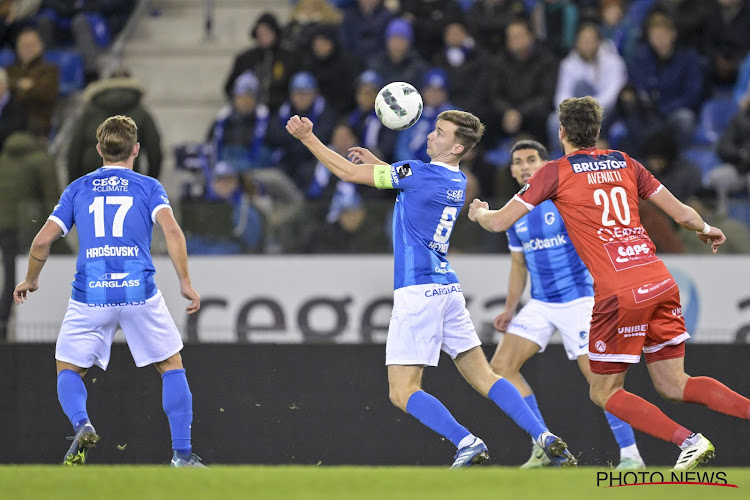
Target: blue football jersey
[557,272]
[113,209]
[430,196]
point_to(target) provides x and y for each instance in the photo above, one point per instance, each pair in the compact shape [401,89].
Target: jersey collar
[449,167]
[115,166]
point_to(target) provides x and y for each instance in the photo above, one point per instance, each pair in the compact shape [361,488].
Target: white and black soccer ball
[398,105]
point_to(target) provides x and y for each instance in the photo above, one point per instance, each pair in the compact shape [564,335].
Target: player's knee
[399,396]
[504,367]
[669,388]
[599,395]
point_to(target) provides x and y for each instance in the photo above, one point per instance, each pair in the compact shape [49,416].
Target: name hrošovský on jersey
[113,209]
[597,193]
[430,197]
[556,271]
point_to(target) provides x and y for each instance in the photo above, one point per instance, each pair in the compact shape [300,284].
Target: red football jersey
[597,192]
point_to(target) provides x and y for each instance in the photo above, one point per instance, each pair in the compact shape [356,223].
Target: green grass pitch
[332,483]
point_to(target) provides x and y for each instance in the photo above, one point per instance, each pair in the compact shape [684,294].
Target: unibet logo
[539,243]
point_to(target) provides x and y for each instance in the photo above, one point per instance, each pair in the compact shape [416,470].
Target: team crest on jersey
[403,170]
[549,218]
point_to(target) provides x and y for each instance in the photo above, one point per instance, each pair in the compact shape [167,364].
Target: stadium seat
[704,157]
[740,210]
[70,63]
[715,115]
[7,57]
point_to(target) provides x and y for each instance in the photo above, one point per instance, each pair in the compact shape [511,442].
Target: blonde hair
[319,11]
[117,135]
[469,129]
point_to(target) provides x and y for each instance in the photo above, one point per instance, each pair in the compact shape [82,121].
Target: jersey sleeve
[514,242]
[402,175]
[648,185]
[540,187]
[62,214]
[158,200]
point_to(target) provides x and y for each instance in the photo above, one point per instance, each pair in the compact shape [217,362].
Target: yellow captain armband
[382,177]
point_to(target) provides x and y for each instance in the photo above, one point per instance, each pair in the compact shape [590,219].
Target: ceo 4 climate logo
[111,183]
[614,479]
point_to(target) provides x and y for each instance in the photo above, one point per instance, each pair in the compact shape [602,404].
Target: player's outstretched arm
[688,218]
[516,285]
[302,129]
[37,257]
[177,250]
[496,221]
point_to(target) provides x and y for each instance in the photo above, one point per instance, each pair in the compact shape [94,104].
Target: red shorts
[645,319]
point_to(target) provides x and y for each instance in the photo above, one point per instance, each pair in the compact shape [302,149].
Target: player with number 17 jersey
[598,193]
[113,209]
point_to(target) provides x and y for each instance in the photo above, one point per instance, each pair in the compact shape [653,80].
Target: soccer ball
[398,105]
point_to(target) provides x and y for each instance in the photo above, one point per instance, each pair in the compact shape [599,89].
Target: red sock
[712,393]
[645,417]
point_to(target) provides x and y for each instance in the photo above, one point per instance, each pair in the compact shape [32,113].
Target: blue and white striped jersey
[114,210]
[430,196]
[557,272]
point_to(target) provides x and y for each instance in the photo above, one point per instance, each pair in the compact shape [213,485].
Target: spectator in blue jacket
[668,76]
[363,29]
[400,62]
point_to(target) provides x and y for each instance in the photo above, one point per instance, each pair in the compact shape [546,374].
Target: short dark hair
[582,119]
[469,128]
[530,144]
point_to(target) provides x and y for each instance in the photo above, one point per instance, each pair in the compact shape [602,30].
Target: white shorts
[426,319]
[87,331]
[538,320]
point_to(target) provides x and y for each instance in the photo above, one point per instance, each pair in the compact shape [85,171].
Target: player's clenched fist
[299,127]
[476,205]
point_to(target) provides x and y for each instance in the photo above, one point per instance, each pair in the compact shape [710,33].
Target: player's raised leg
[509,357]
[476,370]
[630,456]
[405,392]
[72,394]
[177,401]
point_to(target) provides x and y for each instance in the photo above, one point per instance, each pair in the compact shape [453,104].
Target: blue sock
[622,431]
[177,401]
[531,402]
[432,413]
[507,397]
[71,392]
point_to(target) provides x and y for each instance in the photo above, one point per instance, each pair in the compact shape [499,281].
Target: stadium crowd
[673,76]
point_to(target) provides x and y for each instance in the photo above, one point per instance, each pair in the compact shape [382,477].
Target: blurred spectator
[634,118]
[28,192]
[429,19]
[14,16]
[90,25]
[363,29]
[13,115]
[690,19]
[307,16]
[660,228]
[412,142]
[743,82]
[523,83]
[321,187]
[32,81]
[668,75]
[294,159]
[726,39]
[241,223]
[400,62]
[661,157]
[737,233]
[271,64]
[620,23]
[487,20]
[238,134]
[467,66]
[734,149]
[555,23]
[349,228]
[119,95]
[593,68]
[334,68]
[371,133]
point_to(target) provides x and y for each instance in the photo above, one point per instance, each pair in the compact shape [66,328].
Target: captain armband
[382,176]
